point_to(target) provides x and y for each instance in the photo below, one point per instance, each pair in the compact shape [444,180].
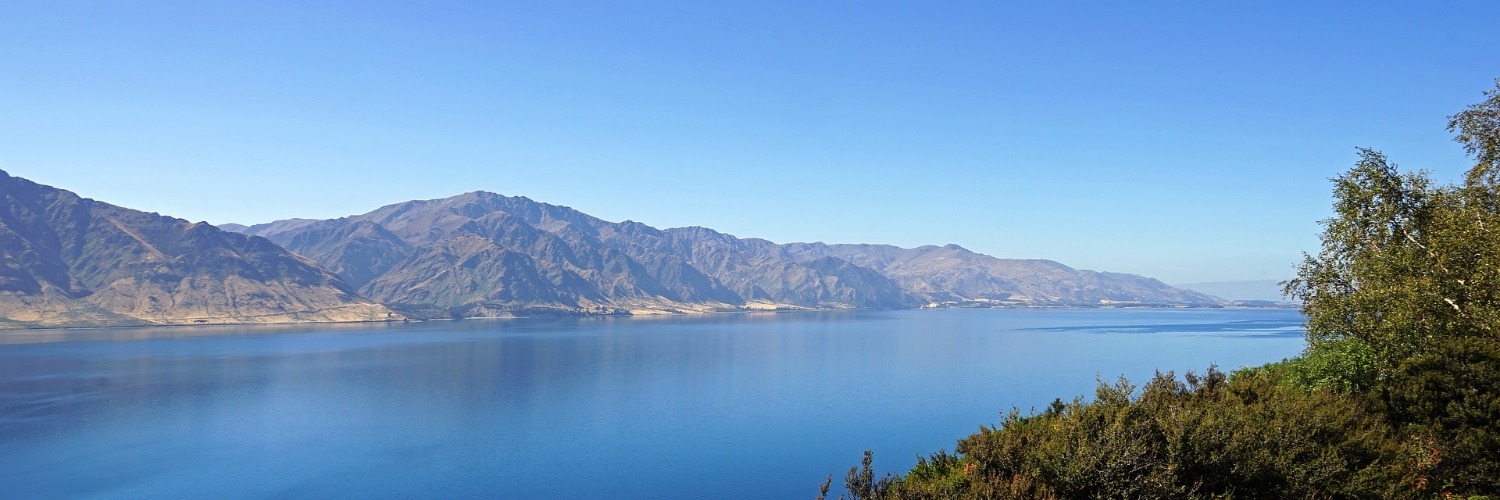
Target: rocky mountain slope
[482,253]
[72,261]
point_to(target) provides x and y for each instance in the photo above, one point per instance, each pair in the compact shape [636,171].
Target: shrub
[1251,435]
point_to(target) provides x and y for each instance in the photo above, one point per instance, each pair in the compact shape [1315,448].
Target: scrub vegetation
[1397,394]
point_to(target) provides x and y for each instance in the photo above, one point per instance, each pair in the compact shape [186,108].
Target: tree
[1478,129]
[1406,265]
[1397,396]
[1409,273]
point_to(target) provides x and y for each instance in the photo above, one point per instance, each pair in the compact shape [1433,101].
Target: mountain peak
[479,254]
[71,261]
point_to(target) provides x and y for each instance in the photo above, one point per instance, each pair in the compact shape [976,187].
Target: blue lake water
[720,406]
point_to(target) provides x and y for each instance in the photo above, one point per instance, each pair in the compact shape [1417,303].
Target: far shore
[655,313]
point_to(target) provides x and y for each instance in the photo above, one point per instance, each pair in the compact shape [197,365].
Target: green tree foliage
[1411,271]
[860,482]
[1344,365]
[1396,396]
[1406,265]
[1211,437]
[1478,129]
[1449,400]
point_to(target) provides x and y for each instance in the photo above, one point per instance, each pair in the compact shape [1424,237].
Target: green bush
[1396,396]
[1212,437]
[1341,365]
[1449,399]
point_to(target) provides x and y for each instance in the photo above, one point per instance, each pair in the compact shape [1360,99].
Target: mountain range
[481,253]
[1242,290]
[71,261]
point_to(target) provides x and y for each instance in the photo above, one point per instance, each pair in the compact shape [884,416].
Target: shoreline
[670,314]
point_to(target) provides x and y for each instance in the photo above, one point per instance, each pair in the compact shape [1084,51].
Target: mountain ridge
[66,260]
[690,268]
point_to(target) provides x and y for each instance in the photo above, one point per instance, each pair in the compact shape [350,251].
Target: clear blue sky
[1190,141]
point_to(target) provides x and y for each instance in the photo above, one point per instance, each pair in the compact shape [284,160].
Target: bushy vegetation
[1396,396]
[1211,437]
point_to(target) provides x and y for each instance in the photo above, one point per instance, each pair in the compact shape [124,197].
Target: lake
[716,406]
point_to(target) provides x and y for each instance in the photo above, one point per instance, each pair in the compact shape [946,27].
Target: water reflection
[753,406]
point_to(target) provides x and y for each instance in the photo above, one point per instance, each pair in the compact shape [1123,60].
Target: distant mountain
[72,261]
[1246,290]
[273,227]
[953,274]
[483,254]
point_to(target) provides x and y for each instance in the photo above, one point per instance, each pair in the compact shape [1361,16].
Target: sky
[1187,141]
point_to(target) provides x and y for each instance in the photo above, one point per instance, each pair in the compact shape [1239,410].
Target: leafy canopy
[1406,265]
